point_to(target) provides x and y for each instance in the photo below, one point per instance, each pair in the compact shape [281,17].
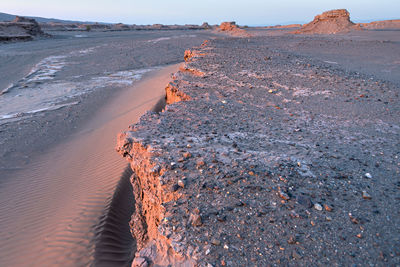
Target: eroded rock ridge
[329,22]
[20,28]
[266,157]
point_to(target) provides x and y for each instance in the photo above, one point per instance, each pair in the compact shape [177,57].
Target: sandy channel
[52,213]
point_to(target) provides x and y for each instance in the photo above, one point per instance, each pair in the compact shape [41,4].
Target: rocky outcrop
[232,29]
[329,22]
[267,158]
[51,26]
[205,26]
[121,27]
[30,25]
[290,26]
[228,26]
[20,29]
[381,25]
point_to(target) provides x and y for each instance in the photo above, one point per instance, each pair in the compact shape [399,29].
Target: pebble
[317,206]
[175,187]
[365,195]
[195,219]
[181,183]
[215,242]
[296,255]
[368,175]
[291,240]
[304,200]
[327,207]
[353,219]
[283,194]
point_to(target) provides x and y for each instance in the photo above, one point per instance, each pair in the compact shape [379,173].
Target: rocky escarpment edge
[271,158]
[20,29]
[156,245]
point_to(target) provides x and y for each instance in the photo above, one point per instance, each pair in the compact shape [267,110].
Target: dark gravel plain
[279,157]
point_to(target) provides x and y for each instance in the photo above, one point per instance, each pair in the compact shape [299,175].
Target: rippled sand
[55,211]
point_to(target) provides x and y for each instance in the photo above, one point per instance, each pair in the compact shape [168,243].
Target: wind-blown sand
[50,209]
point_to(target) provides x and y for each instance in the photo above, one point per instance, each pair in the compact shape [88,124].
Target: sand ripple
[71,206]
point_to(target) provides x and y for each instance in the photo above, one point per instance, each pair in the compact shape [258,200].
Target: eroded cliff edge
[265,157]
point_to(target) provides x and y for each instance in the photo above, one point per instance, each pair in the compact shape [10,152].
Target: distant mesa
[329,22]
[32,27]
[122,27]
[290,26]
[232,29]
[20,29]
[228,26]
[119,27]
[205,26]
[381,25]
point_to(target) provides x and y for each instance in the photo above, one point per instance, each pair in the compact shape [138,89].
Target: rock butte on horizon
[20,28]
[329,22]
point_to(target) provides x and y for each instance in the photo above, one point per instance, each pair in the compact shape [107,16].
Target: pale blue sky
[244,12]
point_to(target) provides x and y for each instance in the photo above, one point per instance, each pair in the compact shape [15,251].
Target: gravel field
[274,150]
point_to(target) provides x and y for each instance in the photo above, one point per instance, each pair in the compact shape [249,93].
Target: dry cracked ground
[264,157]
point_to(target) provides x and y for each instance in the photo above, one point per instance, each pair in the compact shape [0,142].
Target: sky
[244,12]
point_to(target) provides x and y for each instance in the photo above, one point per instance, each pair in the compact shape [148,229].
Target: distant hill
[6,17]
[9,17]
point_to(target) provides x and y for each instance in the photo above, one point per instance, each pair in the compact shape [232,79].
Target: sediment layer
[266,158]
